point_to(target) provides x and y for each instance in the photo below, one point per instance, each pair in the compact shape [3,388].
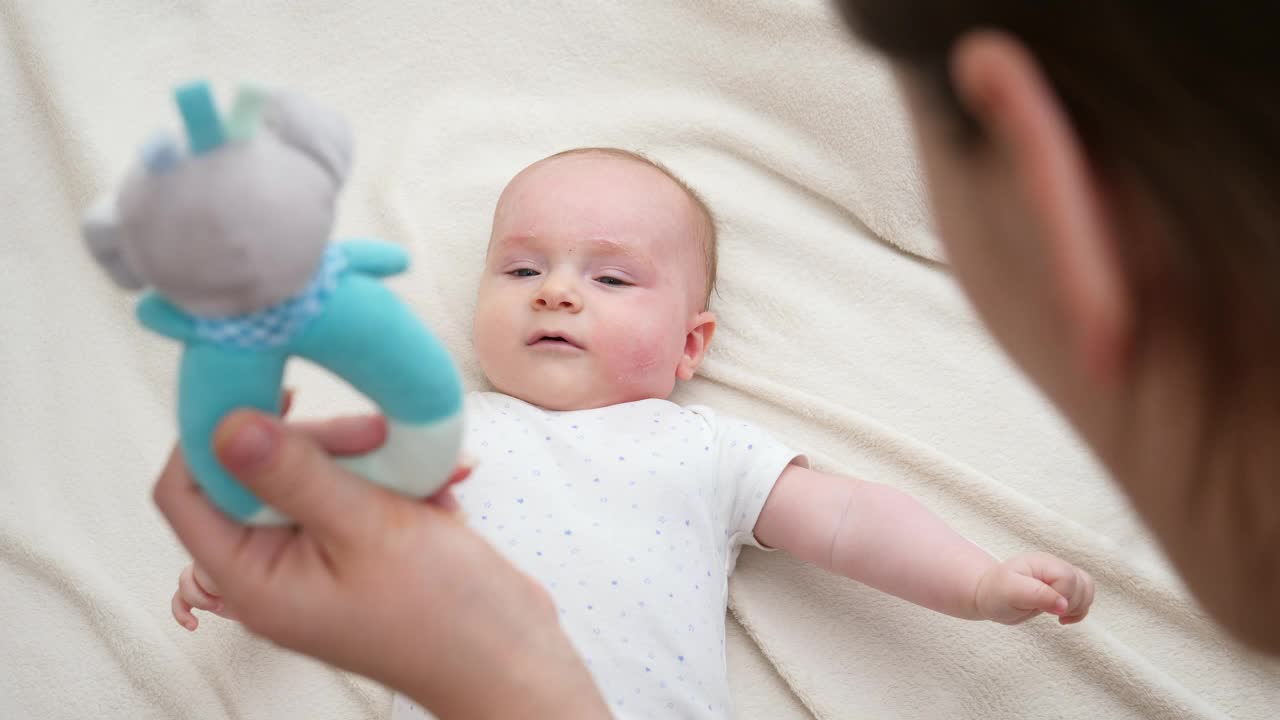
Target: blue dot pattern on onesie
[281,322]
[637,553]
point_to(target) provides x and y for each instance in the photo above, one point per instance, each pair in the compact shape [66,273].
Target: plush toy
[232,235]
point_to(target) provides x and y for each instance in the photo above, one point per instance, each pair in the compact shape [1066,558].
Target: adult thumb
[290,471]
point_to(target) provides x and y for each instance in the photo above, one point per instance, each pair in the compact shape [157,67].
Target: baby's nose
[554,295]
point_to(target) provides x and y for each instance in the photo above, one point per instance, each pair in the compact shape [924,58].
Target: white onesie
[632,516]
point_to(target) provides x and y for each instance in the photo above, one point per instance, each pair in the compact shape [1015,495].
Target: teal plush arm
[375,257]
[163,317]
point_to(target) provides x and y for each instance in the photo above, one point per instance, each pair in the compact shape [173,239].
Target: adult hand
[372,582]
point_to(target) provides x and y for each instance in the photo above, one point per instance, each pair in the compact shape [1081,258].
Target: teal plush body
[363,334]
[244,302]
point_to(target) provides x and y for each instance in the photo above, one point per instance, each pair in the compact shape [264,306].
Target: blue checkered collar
[281,322]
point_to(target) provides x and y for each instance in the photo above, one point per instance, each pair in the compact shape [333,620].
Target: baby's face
[593,283]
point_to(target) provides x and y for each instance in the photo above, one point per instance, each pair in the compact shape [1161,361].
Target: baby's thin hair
[709,234]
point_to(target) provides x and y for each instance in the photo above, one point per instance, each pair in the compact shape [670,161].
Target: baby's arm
[885,539]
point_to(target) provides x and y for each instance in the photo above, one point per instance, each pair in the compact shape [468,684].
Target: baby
[632,509]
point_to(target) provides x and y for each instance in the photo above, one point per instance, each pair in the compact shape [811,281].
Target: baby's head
[596,283]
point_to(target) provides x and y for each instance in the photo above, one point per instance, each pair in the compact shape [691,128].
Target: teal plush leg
[373,341]
[213,381]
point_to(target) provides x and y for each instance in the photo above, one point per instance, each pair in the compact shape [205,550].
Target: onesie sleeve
[747,465]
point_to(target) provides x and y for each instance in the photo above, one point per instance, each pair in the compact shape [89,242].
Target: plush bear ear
[312,129]
[102,233]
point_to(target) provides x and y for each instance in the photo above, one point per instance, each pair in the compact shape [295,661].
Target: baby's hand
[195,590]
[1026,585]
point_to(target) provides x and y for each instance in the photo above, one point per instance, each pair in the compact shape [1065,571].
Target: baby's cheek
[489,329]
[640,352]
[642,358]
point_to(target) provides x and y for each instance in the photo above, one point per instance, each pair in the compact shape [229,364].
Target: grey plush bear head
[239,221]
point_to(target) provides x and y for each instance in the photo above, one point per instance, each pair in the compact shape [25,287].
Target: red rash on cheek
[643,358]
[632,351]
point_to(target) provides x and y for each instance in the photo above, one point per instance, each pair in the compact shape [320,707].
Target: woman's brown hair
[1177,107]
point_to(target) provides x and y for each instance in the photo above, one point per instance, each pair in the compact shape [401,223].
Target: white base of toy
[411,462]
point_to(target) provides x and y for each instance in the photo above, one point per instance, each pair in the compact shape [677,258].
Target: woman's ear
[1001,85]
[696,342]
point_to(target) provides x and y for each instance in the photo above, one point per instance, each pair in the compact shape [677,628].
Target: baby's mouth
[549,340]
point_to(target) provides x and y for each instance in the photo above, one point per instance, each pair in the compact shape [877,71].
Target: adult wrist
[537,676]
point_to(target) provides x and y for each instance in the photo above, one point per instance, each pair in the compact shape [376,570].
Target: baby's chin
[559,401]
[567,399]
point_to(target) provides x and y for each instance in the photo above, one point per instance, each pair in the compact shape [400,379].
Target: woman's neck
[1206,477]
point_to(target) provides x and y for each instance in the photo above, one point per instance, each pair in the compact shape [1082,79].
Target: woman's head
[1104,178]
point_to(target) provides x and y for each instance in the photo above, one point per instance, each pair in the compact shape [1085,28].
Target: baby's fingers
[1081,600]
[1026,593]
[1068,580]
[194,595]
[182,613]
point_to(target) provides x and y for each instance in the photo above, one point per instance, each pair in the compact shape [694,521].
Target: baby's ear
[696,342]
[103,235]
[312,129]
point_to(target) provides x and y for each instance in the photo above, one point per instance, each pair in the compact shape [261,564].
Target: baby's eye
[524,273]
[615,282]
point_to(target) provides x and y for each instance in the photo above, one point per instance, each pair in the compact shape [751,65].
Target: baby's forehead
[609,194]
[597,194]
[596,173]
